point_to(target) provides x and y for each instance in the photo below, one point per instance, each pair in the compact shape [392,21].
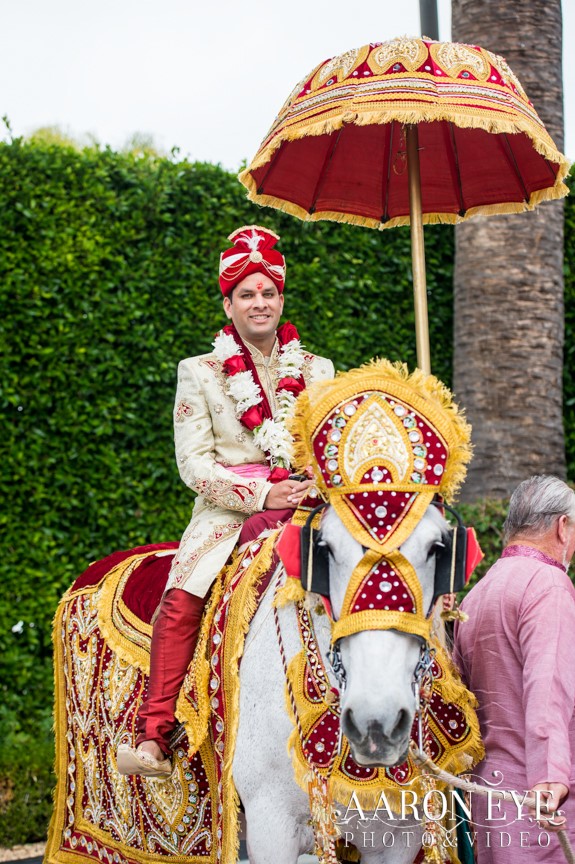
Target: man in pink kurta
[517,654]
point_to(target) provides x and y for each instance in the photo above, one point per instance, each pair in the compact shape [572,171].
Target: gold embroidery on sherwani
[210,440]
[186,564]
[241,497]
[308,372]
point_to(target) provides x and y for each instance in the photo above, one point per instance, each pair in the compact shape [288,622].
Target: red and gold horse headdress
[383,443]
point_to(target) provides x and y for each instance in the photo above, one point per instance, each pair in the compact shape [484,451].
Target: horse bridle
[450,565]
[450,577]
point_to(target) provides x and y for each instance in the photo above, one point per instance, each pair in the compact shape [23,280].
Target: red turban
[252,252]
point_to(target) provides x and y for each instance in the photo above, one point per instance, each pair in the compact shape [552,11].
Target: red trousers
[258,522]
[174,639]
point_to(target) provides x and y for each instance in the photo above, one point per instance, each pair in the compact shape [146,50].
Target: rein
[421,684]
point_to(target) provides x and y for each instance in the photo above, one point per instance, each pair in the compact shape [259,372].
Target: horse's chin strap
[337,667]
[421,684]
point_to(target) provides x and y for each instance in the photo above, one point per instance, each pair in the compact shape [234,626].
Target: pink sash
[250,469]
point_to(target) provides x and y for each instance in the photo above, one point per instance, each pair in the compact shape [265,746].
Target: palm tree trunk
[508,278]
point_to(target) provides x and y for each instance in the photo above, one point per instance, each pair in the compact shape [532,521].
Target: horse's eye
[435,549]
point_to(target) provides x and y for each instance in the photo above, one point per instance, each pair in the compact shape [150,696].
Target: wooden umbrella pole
[417,250]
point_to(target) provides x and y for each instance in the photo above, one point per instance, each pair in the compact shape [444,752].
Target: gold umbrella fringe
[427,218]
[542,143]
[474,117]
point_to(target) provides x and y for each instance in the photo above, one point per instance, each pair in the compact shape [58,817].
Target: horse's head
[379,700]
[384,445]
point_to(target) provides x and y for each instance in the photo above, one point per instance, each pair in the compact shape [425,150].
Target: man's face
[255,307]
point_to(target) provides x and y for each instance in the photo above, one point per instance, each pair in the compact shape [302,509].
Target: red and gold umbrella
[409,131]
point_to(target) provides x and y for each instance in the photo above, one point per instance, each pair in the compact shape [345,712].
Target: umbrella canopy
[338,149]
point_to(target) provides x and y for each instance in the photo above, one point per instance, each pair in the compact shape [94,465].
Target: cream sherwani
[209,440]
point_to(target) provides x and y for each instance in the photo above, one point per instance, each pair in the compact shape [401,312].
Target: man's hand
[288,493]
[550,796]
[448,602]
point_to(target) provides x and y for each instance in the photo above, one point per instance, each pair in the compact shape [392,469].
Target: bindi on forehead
[259,286]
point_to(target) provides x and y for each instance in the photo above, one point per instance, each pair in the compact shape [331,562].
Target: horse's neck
[263,633]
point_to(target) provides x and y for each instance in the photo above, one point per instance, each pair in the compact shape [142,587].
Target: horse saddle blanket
[102,634]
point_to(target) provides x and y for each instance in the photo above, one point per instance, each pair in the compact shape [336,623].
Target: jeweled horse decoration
[348,679]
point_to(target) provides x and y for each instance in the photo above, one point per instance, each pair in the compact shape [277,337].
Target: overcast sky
[207,77]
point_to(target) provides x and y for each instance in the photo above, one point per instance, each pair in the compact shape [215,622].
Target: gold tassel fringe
[114,617]
[291,592]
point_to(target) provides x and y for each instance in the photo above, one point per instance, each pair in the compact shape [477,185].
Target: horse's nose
[377,732]
[402,724]
[351,731]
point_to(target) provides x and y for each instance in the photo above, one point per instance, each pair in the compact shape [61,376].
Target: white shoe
[134,760]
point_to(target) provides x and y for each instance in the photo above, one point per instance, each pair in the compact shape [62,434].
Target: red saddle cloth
[102,636]
[145,586]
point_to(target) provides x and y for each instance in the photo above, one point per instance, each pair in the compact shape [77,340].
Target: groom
[232,449]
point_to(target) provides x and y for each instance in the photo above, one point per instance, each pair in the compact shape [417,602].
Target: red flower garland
[255,415]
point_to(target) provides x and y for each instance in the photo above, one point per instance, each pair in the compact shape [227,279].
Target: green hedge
[108,266]
[108,277]
[26,783]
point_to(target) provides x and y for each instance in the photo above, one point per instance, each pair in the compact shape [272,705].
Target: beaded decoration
[383,443]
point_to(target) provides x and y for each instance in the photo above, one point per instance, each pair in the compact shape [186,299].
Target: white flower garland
[225,346]
[291,360]
[271,436]
[244,390]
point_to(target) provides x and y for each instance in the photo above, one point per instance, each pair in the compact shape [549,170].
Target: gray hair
[536,504]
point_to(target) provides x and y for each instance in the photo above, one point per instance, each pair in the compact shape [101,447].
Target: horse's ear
[451,564]
[314,558]
[288,549]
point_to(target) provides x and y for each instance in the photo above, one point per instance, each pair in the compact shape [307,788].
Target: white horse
[377,710]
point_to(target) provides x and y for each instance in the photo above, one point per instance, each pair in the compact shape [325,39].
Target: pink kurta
[517,654]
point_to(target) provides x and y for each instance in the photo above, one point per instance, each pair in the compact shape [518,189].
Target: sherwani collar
[260,358]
